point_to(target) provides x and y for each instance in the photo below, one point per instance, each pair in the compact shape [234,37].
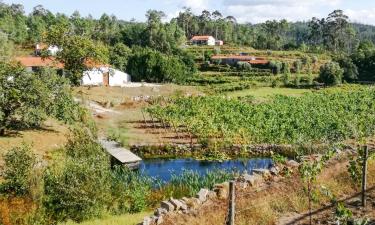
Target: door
[106,79]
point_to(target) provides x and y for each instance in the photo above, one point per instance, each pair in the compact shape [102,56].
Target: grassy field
[129,219]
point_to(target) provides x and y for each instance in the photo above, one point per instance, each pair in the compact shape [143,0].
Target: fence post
[364,175]
[231,212]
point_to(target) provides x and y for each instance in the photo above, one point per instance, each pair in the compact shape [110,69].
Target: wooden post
[364,175]
[231,212]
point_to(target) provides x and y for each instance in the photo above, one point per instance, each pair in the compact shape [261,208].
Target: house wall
[211,41]
[96,77]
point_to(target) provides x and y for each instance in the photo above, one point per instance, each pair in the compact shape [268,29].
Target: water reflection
[164,168]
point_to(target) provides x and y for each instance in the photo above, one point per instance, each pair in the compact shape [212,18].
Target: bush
[350,69]
[153,66]
[331,73]
[19,164]
[275,66]
[79,188]
[297,66]
[243,66]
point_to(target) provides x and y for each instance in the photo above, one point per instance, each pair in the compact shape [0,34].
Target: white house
[52,49]
[203,40]
[105,76]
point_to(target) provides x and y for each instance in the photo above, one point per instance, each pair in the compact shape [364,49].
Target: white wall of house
[94,77]
[118,78]
[211,41]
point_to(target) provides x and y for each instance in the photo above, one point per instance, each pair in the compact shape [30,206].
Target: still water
[164,168]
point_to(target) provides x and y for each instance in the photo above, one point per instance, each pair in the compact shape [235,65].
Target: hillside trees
[331,73]
[78,53]
[27,99]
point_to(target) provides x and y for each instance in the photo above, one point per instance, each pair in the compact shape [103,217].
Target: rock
[193,203]
[222,190]
[292,163]
[211,195]
[178,204]
[274,171]
[159,220]
[160,211]
[202,195]
[243,184]
[253,180]
[263,172]
[167,206]
[149,220]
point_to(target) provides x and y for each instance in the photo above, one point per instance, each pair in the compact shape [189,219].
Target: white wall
[211,41]
[118,78]
[95,77]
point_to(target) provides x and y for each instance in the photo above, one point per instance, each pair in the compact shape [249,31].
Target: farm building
[203,40]
[52,49]
[97,75]
[104,76]
[233,59]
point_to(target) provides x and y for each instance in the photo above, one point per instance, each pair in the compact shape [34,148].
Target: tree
[350,69]
[119,56]
[78,53]
[27,99]
[6,47]
[19,163]
[331,73]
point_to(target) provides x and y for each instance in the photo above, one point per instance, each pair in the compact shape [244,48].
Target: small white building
[203,40]
[105,76]
[52,49]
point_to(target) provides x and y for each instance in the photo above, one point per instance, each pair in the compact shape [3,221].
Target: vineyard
[319,117]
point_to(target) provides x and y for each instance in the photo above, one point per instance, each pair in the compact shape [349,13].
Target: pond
[164,168]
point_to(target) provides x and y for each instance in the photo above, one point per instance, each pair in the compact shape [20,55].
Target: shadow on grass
[329,207]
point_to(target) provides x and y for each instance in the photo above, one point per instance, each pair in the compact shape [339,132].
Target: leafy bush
[79,187]
[130,191]
[297,66]
[275,66]
[331,74]
[19,164]
[243,66]
[153,66]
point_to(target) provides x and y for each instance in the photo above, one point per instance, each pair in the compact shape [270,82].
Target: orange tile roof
[259,62]
[248,58]
[200,38]
[32,61]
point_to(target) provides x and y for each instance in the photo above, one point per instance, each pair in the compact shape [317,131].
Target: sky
[253,11]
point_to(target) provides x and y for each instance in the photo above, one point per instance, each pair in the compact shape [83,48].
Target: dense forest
[156,45]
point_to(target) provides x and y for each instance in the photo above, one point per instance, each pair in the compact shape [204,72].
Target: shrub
[19,164]
[331,74]
[79,187]
[350,69]
[297,66]
[243,66]
[275,66]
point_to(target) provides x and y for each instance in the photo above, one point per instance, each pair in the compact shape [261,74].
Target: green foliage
[130,191]
[19,164]
[193,181]
[243,66]
[331,74]
[6,47]
[153,66]
[279,159]
[343,214]
[350,69]
[79,187]
[276,66]
[316,117]
[119,56]
[297,66]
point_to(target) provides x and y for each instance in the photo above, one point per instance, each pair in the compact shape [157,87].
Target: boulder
[178,204]
[263,172]
[211,195]
[202,195]
[193,203]
[253,180]
[160,211]
[274,171]
[159,220]
[149,220]
[292,163]
[167,206]
[222,190]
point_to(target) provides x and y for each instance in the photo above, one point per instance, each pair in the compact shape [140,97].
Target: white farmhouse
[203,40]
[105,76]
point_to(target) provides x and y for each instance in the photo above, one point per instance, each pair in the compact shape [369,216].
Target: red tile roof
[259,62]
[251,59]
[32,61]
[200,38]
